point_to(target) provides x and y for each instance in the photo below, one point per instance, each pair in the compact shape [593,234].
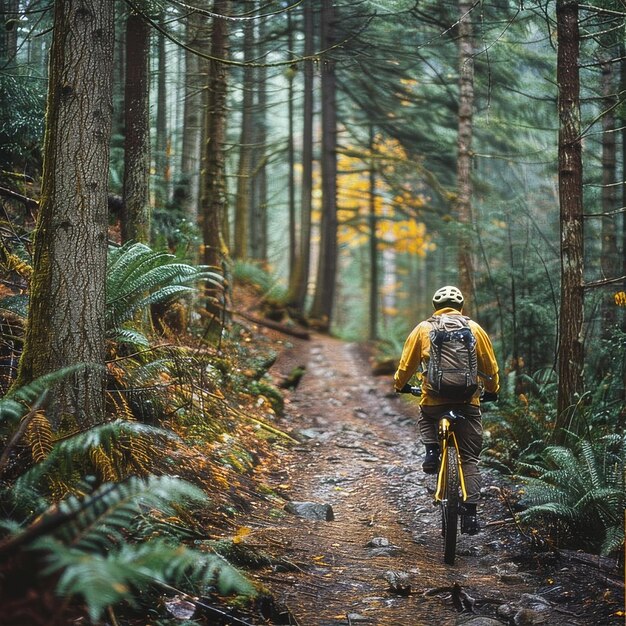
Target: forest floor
[359,453]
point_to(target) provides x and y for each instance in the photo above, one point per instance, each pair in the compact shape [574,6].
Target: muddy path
[360,455]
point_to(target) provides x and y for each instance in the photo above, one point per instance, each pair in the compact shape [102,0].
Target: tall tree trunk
[609,254]
[622,91]
[214,184]
[189,183]
[323,300]
[161,162]
[136,206]
[66,318]
[570,198]
[258,217]
[246,146]
[299,286]
[291,161]
[464,150]
[373,245]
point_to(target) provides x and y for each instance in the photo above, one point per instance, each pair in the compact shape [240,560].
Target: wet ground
[359,455]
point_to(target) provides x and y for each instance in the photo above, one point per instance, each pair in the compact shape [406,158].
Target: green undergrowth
[112,517]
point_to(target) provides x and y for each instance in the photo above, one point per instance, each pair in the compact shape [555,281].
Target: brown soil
[360,454]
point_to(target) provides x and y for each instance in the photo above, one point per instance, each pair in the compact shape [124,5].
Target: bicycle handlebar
[485,396]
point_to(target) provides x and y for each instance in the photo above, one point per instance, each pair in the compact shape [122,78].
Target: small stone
[357,617]
[311,510]
[534,602]
[385,551]
[478,621]
[180,608]
[377,542]
[528,617]
[399,582]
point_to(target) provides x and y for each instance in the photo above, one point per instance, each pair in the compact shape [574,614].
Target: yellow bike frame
[446,434]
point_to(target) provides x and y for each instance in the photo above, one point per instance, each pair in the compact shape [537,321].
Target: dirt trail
[360,457]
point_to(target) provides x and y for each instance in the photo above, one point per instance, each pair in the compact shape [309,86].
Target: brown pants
[469,435]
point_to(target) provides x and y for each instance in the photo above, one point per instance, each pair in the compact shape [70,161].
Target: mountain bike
[450,492]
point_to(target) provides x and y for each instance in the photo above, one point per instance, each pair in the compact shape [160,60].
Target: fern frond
[613,541]
[104,580]
[118,406]
[550,509]
[103,464]
[127,335]
[17,402]
[39,436]
[104,518]
[65,452]
[591,462]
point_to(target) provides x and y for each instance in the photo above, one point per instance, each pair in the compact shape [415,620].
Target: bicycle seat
[454,416]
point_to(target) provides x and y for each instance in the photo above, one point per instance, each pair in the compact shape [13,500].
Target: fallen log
[281,328]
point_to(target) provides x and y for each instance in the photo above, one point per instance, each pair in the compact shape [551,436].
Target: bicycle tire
[450,506]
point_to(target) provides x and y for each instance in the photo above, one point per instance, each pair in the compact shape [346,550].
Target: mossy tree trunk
[66,320]
[213,203]
[571,354]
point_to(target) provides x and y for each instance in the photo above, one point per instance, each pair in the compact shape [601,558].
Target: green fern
[138,277]
[583,489]
[95,560]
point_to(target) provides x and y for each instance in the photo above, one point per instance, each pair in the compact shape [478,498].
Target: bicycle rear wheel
[450,505]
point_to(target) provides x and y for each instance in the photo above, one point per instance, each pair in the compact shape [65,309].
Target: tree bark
[246,146]
[136,206]
[258,217]
[323,301]
[161,159]
[189,183]
[570,362]
[464,152]
[67,296]
[373,245]
[214,184]
[291,161]
[609,255]
[299,286]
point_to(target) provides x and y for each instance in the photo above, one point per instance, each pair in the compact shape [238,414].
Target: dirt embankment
[359,455]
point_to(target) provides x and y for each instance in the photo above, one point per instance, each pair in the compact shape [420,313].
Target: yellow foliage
[241,534]
[355,203]
[103,464]
[620,298]
[38,436]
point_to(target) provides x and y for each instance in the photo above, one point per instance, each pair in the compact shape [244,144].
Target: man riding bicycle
[448,301]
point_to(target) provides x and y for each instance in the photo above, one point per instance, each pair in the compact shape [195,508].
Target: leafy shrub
[104,541]
[138,277]
[581,491]
[516,431]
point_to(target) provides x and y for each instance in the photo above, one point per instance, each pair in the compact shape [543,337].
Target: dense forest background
[346,159]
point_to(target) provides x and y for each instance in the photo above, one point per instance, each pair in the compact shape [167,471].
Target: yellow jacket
[416,351]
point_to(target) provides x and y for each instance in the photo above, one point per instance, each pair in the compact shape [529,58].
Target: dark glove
[489,396]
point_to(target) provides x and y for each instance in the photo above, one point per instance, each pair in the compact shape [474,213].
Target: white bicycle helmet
[447,294]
